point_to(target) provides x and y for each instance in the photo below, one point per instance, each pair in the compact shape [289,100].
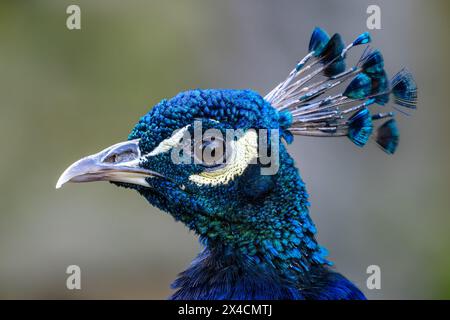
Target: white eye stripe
[167,144]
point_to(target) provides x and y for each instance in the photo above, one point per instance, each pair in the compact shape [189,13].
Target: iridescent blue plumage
[388,136]
[319,40]
[404,89]
[380,87]
[213,275]
[359,88]
[373,63]
[360,127]
[364,38]
[259,239]
[332,56]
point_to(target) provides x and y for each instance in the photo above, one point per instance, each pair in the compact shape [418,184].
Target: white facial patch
[167,144]
[244,151]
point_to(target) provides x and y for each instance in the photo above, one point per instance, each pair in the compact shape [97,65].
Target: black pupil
[212,148]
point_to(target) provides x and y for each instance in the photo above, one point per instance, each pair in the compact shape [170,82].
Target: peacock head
[210,158]
[215,159]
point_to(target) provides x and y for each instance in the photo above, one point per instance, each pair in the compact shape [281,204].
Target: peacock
[252,216]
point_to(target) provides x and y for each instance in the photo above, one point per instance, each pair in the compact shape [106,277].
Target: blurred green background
[65,94]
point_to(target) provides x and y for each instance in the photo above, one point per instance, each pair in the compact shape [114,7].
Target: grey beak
[119,163]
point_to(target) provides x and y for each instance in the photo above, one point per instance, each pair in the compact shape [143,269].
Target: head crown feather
[309,108]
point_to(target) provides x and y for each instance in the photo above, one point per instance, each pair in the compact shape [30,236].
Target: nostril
[111,158]
[121,157]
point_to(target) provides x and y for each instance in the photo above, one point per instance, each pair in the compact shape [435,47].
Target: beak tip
[60,183]
[63,179]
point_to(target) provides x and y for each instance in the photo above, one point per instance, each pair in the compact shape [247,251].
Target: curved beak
[118,163]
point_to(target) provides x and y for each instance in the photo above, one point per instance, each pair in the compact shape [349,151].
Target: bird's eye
[210,152]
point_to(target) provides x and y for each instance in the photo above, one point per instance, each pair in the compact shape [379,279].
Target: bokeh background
[65,94]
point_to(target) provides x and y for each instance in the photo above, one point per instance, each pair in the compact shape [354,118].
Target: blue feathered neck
[218,273]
